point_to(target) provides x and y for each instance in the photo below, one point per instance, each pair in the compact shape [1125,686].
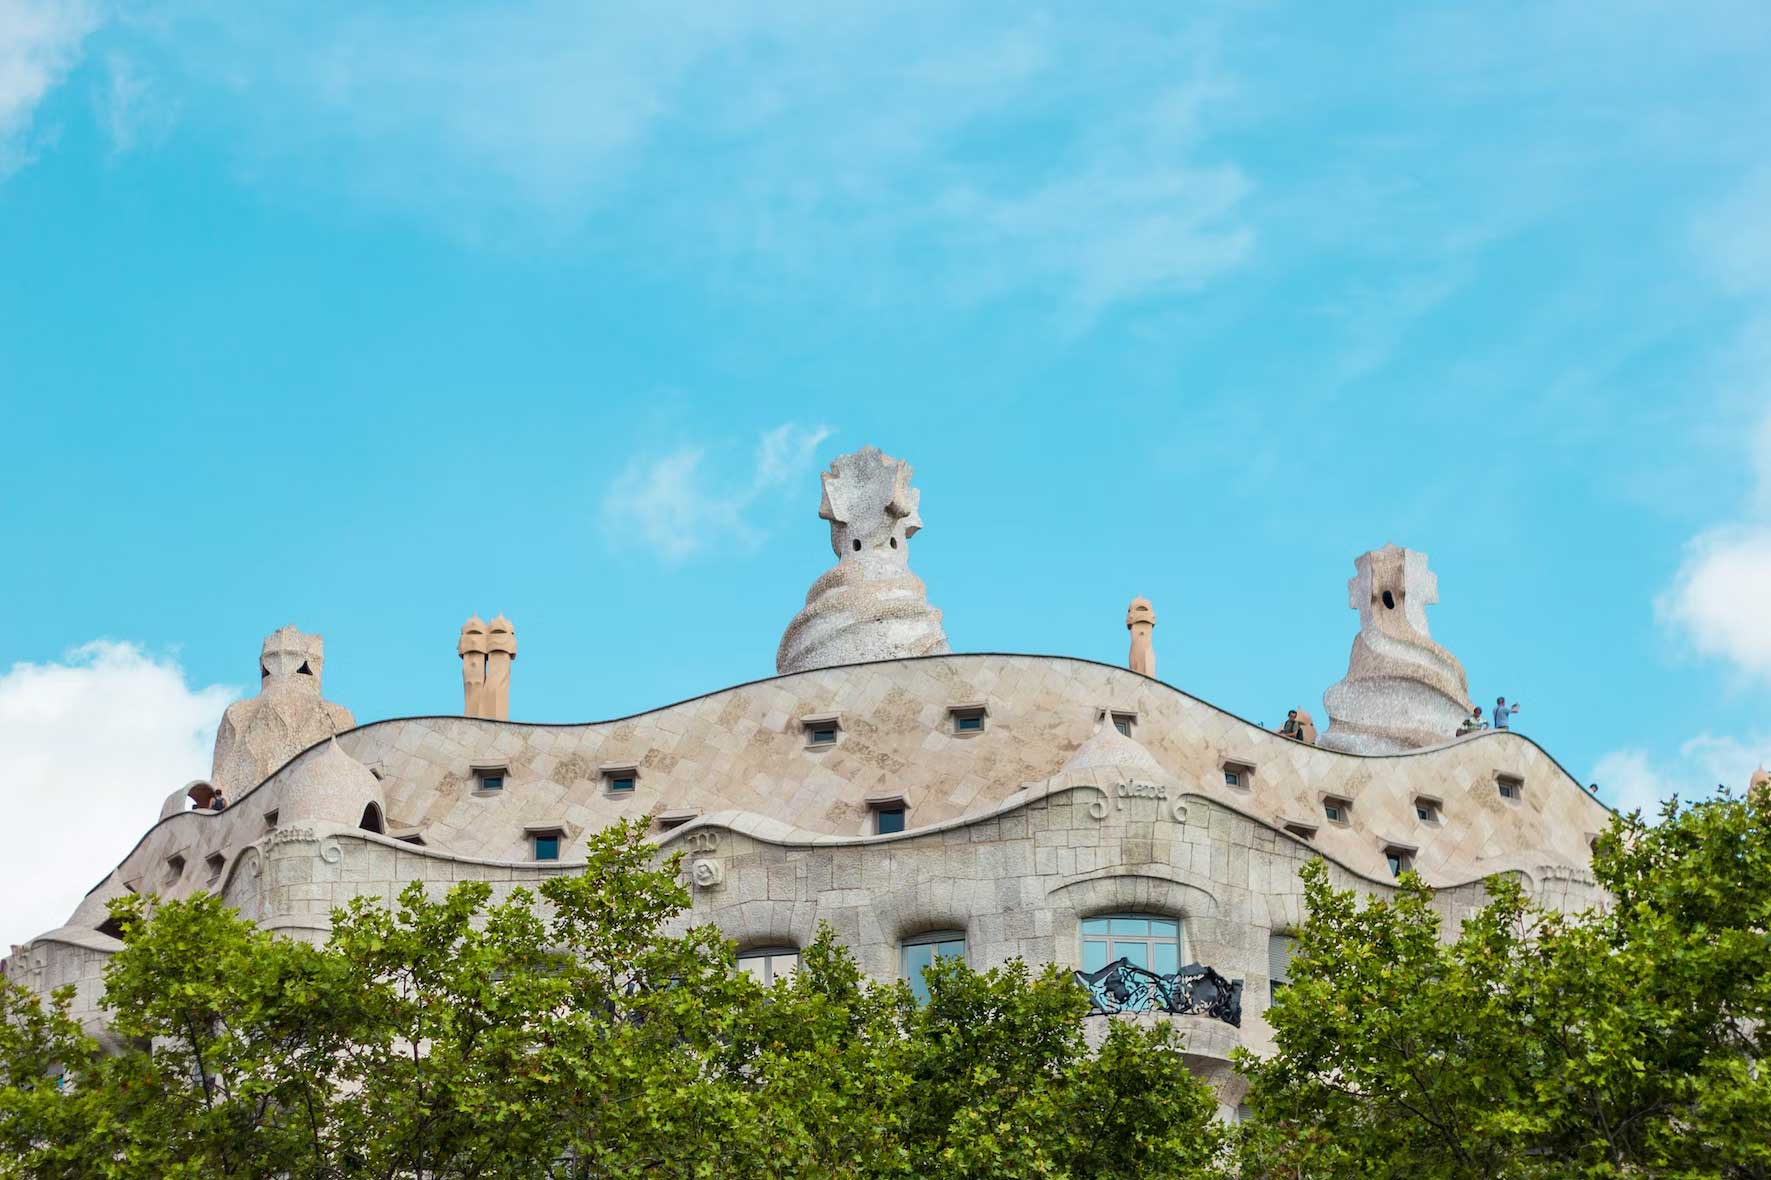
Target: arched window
[1150,941]
[919,953]
[371,821]
[766,964]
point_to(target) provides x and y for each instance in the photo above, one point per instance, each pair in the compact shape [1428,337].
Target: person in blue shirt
[1503,712]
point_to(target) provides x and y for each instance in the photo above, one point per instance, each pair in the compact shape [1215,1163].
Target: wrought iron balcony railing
[1194,990]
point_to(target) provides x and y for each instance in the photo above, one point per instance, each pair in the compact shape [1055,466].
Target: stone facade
[1035,793]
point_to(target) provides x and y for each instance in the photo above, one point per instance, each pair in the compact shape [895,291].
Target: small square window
[1336,811]
[821,731]
[887,820]
[216,862]
[174,869]
[547,843]
[1238,775]
[969,719]
[490,778]
[1426,810]
[1399,859]
[270,820]
[620,780]
[1301,831]
[1511,786]
[1123,722]
[667,820]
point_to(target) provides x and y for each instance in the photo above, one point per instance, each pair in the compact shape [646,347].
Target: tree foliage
[1626,1040]
[567,1033]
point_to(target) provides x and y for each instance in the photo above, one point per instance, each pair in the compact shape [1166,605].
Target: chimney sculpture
[486,652]
[869,606]
[259,734]
[1140,620]
[1402,691]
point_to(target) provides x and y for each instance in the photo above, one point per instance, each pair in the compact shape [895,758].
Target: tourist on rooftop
[1291,728]
[1473,722]
[1503,712]
[218,801]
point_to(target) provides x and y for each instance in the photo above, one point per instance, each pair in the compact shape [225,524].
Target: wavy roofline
[1181,692]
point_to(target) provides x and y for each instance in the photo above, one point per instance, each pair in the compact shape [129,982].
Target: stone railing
[1194,990]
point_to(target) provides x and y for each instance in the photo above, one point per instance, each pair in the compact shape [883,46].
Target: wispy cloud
[94,743]
[40,41]
[675,505]
[779,135]
[1631,778]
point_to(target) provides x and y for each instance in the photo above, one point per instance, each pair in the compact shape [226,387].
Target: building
[922,802]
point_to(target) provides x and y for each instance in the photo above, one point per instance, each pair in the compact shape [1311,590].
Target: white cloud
[1721,597]
[40,42]
[674,506]
[93,744]
[1630,778]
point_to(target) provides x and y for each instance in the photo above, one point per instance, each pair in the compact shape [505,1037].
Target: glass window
[1399,860]
[968,722]
[547,846]
[621,782]
[1153,943]
[888,820]
[490,780]
[1279,952]
[1335,810]
[921,952]
[766,964]
[824,736]
[1123,722]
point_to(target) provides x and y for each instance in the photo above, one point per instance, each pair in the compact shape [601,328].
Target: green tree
[1625,1040]
[567,1033]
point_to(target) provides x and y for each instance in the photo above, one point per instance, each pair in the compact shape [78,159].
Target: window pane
[1137,950]
[757,968]
[781,966]
[952,949]
[547,848]
[1167,958]
[1131,926]
[1165,928]
[1094,926]
[1094,954]
[889,821]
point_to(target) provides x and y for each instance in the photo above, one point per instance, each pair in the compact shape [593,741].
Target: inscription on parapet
[1097,809]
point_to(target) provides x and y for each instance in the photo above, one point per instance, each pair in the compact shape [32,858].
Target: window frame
[821,723]
[554,830]
[1337,803]
[768,954]
[612,775]
[1149,941]
[1399,858]
[1238,775]
[968,720]
[490,779]
[1511,787]
[937,938]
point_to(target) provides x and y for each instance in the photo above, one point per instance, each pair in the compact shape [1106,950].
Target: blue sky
[367,318]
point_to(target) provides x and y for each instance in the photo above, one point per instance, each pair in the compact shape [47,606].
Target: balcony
[1194,990]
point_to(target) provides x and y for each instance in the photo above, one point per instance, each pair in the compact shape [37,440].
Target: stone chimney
[259,734]
[1402,691]
[486,651]
[1140,620]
